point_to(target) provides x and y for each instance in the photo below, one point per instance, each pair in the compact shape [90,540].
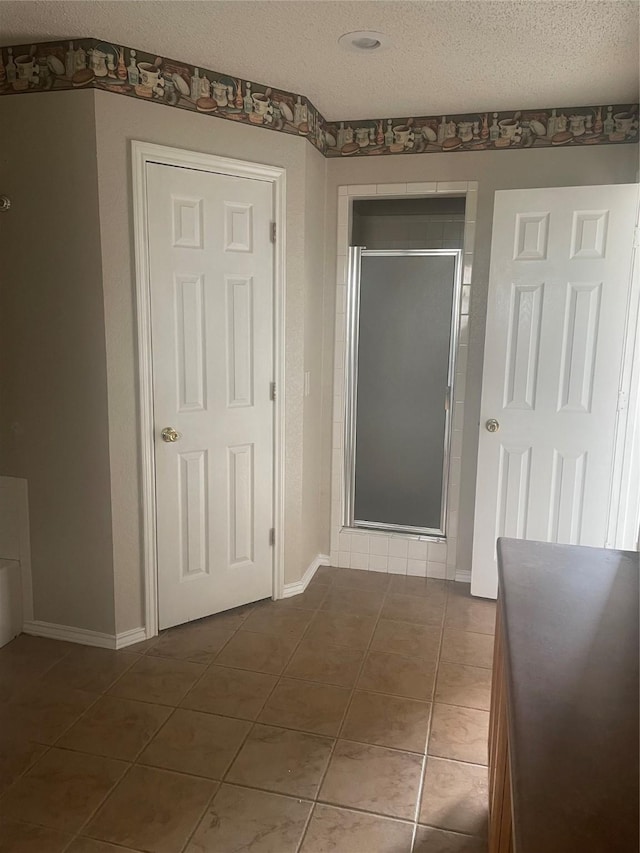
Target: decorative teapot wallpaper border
[91,63]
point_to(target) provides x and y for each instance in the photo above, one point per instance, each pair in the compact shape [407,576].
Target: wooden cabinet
[564,724]
[500,822]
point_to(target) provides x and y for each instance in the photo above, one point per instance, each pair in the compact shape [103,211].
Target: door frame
[623,527]
[436,557]
[141,154]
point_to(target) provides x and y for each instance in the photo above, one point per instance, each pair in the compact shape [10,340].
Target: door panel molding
[239,296]
[143,153]
[241,488]
[192,496]
[191,354]
[523,346]
[579,342]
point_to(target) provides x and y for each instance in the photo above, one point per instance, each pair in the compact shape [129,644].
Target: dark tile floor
[351,718]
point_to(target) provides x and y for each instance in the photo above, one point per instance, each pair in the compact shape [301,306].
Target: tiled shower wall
[412,231]
[377,551]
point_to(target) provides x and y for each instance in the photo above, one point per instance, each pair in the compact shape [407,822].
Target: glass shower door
[402,329]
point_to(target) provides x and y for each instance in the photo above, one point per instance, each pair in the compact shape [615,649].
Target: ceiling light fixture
[364,41]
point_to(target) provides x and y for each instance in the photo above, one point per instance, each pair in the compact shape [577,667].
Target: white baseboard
[83,636]
[130,637]
[463,575]
[297,587]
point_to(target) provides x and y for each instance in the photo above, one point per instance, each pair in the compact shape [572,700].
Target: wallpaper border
[90,63]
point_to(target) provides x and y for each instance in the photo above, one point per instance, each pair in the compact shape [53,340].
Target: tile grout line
[100,695]
[54,745]
[269,725]
[352,692]
[423,770]
[421,793]
[141,750]
[307,823]
[200,817]
[314,612]
[344,715]
[315,801]
[360,810]
[427,739]
[207,666]
[318,608]
[278,678]
[134,763]
[99,806]
[249,730]
[388,592]
[114,843]
[252,722]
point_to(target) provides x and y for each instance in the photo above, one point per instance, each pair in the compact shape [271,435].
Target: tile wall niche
[383,552]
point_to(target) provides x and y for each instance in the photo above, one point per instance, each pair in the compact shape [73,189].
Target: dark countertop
[570,627]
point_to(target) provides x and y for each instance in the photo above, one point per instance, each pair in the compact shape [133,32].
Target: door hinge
[636,237]
[272,536]
[273,232]
[622,401]
[272,390]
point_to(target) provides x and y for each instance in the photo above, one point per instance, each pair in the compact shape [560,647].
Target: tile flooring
[351,718]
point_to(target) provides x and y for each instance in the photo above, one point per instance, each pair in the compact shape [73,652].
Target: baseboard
[463,575]
[298,587]
[83,636]
[130,638]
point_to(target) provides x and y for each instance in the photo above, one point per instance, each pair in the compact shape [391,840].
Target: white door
[558,297]
[211,273]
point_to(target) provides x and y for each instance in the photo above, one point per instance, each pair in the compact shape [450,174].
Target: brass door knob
[170,434]
[492,425]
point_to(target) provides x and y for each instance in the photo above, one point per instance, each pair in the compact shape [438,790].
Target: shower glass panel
[402,329]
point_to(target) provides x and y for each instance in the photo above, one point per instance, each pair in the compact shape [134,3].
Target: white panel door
[558,297]
[211,272]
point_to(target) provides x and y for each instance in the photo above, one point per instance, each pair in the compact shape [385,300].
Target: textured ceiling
[448,56]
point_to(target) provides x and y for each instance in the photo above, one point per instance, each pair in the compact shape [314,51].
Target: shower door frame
[354,269]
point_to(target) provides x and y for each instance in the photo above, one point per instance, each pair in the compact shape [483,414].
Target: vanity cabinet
[563,733]
[500,825]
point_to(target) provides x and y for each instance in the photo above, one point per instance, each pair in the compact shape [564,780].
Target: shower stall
[403,306]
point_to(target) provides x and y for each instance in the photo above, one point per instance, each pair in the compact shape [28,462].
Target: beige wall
[53,391]
[493,171]
[68,392]
[315,521]
[118,121]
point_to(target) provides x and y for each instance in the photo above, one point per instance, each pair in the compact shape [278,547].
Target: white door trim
[141,154]
[624,503]
[438,558]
